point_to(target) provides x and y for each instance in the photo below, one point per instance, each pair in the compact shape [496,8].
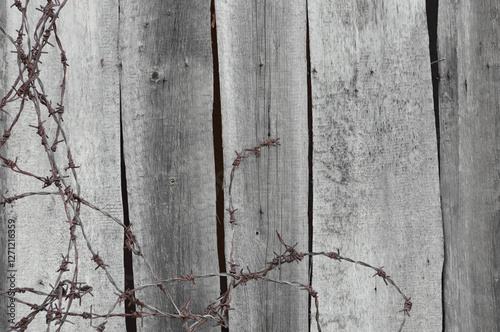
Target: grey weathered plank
[263,68]
[469,121]
[375,168]
[89,33]
[167,97]
[93,124]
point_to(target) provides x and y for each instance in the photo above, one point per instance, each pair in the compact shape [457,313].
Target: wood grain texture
[93,126]
[263,68]
[167,97]
[469,106]
[375,168]
[88,31]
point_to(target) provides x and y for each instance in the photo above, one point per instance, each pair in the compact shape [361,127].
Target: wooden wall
[345,85]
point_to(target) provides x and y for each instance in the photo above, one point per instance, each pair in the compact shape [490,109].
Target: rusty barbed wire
[28,88]
[57,305]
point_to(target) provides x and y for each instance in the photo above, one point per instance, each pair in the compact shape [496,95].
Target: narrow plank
[88,32]
[375,168]
[167,97]
[263,79]
[469,121]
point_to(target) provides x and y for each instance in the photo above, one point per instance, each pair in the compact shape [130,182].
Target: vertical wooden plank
[167,97]
[263,68]
[469,106]
[93,124]
[88,32]
[375,168]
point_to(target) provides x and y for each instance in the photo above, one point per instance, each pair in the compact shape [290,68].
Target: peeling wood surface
[92,123]
[263,79]
[167,100]
[469,106]
[375,167]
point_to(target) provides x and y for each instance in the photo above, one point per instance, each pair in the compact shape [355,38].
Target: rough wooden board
[92,124]
[469,106]
[167,97]
[263,68]
[375,168]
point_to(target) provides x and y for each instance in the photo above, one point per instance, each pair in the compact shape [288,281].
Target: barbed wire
[57,305]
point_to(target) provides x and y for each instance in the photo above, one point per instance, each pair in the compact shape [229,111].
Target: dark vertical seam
[309,159]
[128,269]
[432,21]
[218,158]
[432,8]
[130,322]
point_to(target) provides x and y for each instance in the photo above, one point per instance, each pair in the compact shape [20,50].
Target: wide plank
[375,167]
[88,33]
[167,101]
[263,88]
